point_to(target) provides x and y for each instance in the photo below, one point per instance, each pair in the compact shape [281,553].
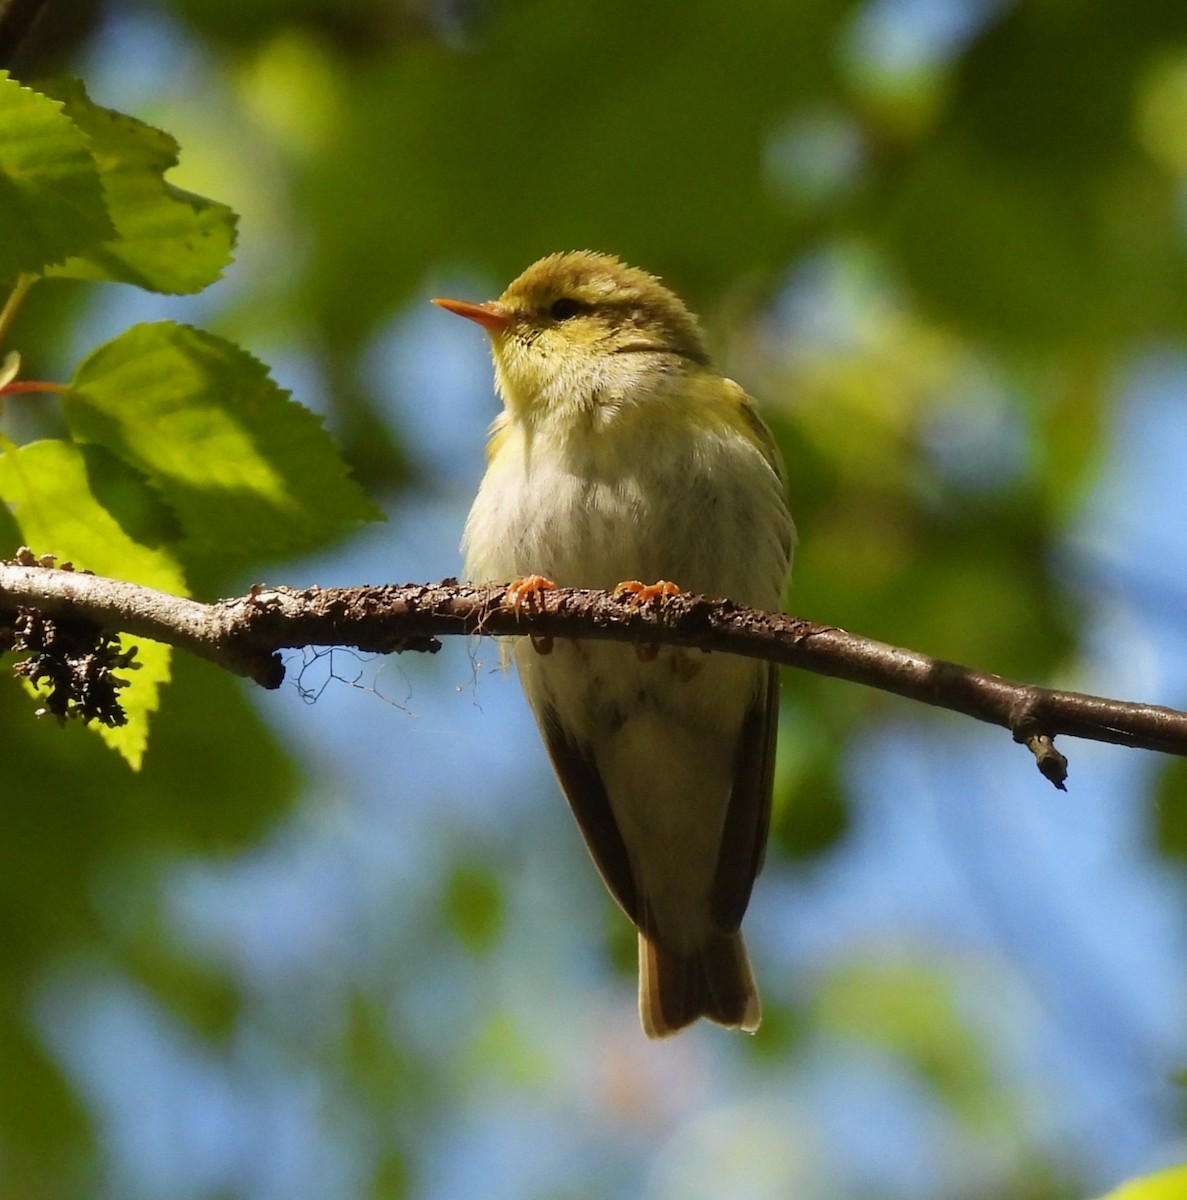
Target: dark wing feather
[748,818]
[586,794]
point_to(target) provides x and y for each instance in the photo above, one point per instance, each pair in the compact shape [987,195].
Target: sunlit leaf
[47,487]
[168,240]
[1166,1185]
[51,199]
[247,470]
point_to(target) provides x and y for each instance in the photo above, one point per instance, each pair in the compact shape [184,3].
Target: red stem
[13,389]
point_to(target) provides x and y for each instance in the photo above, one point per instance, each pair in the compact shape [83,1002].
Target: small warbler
[622,455]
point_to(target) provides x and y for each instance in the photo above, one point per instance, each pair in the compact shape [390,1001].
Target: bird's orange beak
[492,315]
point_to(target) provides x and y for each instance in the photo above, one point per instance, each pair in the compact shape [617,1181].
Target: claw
[526,591]
[641,593]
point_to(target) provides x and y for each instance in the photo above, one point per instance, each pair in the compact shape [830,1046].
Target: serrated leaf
[51,198]
[167,239]
[1165,1185]
[47,488]
[246,470]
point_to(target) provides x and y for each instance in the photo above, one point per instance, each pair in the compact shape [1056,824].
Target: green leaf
[809,816]
[48,489]
[246,470]
[1170,811]
[473,904]
[51,198]
[168,240]
[909,1008]
[1165,1185]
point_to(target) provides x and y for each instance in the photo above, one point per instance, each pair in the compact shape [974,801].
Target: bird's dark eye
[564,308]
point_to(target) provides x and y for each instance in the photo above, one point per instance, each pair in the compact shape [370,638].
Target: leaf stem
[33,385]
[23,283]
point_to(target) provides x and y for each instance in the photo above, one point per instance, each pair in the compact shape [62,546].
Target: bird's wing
[748,818]
[583,788]
[754,426]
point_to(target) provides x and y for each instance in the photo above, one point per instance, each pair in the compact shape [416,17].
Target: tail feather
[714,981]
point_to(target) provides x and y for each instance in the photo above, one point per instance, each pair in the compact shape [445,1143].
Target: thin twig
[243,635]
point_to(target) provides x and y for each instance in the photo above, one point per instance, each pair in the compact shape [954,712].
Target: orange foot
[526,592]
[640,593]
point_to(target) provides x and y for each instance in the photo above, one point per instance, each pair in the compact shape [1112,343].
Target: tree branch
[244,635]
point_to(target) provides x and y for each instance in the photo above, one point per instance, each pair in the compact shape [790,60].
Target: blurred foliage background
[352,947]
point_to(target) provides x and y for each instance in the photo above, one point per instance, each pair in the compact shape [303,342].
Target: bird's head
[575,325]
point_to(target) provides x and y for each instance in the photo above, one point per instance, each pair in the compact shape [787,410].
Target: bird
[621,455]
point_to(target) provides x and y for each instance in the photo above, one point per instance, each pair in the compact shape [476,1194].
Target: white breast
[704,510]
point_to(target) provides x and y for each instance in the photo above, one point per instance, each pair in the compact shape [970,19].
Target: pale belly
[664,730]
[711,519]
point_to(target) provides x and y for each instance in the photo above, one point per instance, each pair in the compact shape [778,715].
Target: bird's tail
[714,981]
